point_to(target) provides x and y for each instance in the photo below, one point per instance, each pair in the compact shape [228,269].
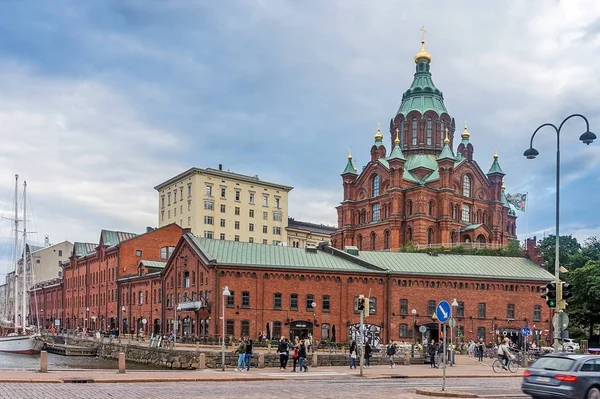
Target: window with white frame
[466,213]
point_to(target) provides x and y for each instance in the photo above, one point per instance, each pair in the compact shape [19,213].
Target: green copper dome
[422,95]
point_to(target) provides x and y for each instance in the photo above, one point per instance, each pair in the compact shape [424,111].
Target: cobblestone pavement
[333,388]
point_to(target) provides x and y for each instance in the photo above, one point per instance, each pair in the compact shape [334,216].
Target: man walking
[390,352]
[241,351]
[248,357]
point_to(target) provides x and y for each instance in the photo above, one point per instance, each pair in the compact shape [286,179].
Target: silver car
[563,375]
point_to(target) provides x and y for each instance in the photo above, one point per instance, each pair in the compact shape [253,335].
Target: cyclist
[504,352]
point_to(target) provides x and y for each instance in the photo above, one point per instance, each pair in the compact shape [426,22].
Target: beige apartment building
[224,205]
[302,234]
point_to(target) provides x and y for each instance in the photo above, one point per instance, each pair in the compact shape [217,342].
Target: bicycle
[498,365]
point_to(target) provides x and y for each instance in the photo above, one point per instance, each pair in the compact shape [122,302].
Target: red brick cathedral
[422,192]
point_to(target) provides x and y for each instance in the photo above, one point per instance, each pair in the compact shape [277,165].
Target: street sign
[452,322]
[563,320]
[442,311]
[56,322]
[525,331]
[422,329]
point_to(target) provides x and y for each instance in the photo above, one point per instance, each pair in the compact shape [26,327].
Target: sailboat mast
[16,251]
[24,274]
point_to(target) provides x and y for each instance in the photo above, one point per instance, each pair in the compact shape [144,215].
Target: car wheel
[593,393]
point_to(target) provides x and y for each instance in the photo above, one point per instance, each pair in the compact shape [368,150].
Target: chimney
[220,166]
[149,229]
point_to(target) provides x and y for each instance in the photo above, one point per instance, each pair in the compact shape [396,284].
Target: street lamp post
[454,305]
[587,138]
[414,333]
[175,326]
[226,293]
[87,310]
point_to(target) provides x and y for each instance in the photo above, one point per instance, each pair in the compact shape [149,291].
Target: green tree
[569,248]
[514,248]
[584,307]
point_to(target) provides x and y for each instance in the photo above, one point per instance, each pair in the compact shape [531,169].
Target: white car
[570,345]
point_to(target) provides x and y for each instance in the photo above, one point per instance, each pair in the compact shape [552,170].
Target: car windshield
[553,363]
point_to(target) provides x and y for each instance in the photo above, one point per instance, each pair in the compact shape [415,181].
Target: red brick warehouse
[422,192]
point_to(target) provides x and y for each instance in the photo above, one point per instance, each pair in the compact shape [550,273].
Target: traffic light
[366,310]
[549,294]
[566,293]
[361,302]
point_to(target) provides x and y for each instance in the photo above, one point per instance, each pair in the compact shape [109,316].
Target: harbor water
[59,362]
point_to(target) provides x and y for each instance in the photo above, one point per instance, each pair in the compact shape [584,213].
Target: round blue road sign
[525,331]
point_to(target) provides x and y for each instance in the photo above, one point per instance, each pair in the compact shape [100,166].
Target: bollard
[269,347]
[43,362]
[121,363]
[261,360]
[406,358]
[202,361]
[314,359]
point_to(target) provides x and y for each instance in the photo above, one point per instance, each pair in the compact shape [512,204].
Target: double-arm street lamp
[587,138]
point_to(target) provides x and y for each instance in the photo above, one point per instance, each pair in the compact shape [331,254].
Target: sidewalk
[464,368]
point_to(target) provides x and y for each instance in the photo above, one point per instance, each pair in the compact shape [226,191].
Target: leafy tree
[584,307]
[569,247]
[514,249]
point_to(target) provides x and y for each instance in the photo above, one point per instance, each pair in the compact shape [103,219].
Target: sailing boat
[21,340]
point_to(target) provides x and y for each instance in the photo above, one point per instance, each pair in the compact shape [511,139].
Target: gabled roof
[446,153]
[153,264]
[272,256]
[81,249]
[495,168]
[112,238]
[498,267]
[427,161]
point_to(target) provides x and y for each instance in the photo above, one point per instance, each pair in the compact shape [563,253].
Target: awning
[196,305]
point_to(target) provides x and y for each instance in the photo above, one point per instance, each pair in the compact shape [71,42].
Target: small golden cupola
[422,55]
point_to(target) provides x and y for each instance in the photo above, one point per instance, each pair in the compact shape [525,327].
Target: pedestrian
[302,356]
[353,355]
[440,352]
[368,351]
[248,356]
[432,351]
[295,357]
[480,349]
[471,348]
[390,352]
[283,353]
[241,351]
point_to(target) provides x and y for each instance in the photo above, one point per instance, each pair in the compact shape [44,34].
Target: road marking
[302,374]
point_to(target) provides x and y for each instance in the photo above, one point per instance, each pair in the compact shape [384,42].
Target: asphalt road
[318,388]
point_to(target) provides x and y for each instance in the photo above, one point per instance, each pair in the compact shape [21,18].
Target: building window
[277,230]
[189,205]
[189,186]
[429,131]
[208,234]
[277,329]
[431,206]
[251,199]
[236,238]
[372,305]
[277,216]
[265,215]
[222,222]
[265,241]
[265,230]
[222,236]
[466,213]
[238,194]
[294,301]
[430,308]
[481,310]
[403,330]
[209,192]
[414,131]
[481,333]
[223,192]
[251,227]
[386,239]
[245,299]
[510,311]
[375,213]
[359,242]
[326,304]
[230,328]
[324,331]
[236,225]
[162,215]
[265,200]
[402,130]
[460,332]
[245,328]
[222,208]
[277,199]
[169,214]
[181,193]
[403,306]
[186,280]
[375,188]
[277,300]
[466,185]
[208,220]
[537,313]
[442,131]
[168,199]
[460,309]
[237,211]
[141,298]
[430,236]
[373,241]
[189,220]
[231,299]
[138,253]
[409,208]
[251,240]
[310,298]
[162,201]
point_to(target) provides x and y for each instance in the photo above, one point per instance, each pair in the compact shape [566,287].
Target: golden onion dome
[378,135]
[422,55]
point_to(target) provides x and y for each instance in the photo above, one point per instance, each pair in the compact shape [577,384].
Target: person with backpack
[295,357]
[390,352]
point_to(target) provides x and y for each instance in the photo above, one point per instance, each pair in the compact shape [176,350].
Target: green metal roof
[349,168]
[422,95]
[84,248]
[406,175]
[495,168]
[396,153]
[446,153]
[153,264]
[498,267]
[272,256]
[470,227]
[112,238]
[427,161]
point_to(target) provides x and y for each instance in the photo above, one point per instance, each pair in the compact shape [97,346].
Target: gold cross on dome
[423,31]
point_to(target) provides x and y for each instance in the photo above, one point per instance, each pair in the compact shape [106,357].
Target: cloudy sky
[100,101]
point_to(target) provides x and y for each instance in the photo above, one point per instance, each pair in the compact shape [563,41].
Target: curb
[391,376]
[445,394]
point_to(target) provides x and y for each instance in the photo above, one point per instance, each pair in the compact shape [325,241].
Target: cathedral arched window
[414,131]
[409,207]
[376,213]
[359,242]
[466,185]
[466,213]
[375,187]
[457,212]
[431,205]
[373,240]
[430,236]
[402,130]
[386,239]
[429,131]
[442,131]
[409,235]
[453,211]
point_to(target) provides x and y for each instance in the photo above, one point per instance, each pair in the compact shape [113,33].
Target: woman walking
[353,355]
[283,353]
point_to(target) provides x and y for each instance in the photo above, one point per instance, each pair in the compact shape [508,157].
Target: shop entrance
[300,329]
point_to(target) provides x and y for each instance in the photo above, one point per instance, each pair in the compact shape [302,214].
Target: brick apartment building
[423,192]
